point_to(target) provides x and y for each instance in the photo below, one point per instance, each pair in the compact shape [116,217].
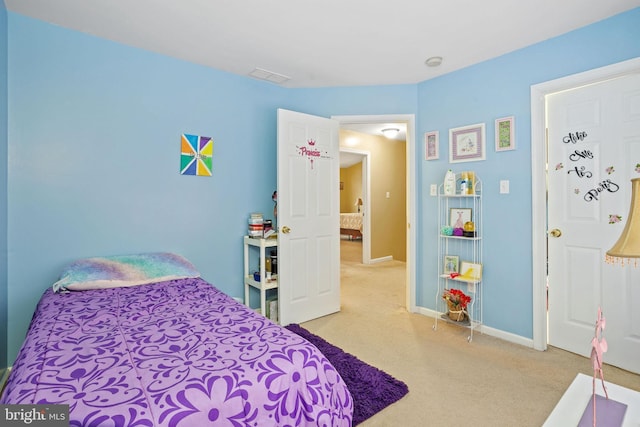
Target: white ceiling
[330,42]
[376,128]
[348,159]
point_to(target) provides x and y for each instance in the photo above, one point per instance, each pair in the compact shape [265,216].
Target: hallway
[363,287]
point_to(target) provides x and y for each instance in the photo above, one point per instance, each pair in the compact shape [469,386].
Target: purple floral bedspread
[175,353]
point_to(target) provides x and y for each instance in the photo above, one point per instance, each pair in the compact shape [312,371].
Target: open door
[594,147]
[308,217]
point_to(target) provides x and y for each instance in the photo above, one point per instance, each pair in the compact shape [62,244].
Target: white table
[569,409]
[263,285]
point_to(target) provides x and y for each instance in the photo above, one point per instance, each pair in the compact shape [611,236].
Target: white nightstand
[262,285]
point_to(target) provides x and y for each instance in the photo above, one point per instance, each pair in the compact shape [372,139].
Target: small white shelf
[446,236]
[459,279]
[262,285]
[467,249]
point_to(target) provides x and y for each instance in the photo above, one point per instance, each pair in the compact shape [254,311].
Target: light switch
[504,186]
[388,195]
[434,189]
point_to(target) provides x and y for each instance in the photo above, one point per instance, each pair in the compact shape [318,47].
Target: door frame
[366,190]
[409,119]
[539,180]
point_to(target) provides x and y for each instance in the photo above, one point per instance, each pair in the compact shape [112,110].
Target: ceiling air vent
[269,76]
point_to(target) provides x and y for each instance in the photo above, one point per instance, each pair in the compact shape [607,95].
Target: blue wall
[93,143]
[3,182]
[94,148]
[481,94]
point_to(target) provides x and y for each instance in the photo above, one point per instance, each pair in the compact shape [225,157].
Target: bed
[160,346]
[351,225]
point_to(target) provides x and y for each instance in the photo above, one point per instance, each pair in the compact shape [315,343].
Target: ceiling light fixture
[434,61]
[390,132]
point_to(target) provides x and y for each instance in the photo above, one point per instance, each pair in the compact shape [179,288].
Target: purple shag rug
[372,389]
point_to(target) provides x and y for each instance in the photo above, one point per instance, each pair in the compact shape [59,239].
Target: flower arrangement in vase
[457,301]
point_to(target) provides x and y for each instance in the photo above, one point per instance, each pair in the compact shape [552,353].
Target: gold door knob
[286,230]
[555,233]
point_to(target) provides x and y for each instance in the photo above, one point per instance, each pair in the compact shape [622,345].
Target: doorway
[410,204]
[539,158]
[349,158]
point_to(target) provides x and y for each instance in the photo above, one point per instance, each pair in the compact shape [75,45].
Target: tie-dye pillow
[124,270]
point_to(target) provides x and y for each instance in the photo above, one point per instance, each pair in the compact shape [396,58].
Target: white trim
[484,329]
[411,191]
[538,180]
[507,336]
[382,259]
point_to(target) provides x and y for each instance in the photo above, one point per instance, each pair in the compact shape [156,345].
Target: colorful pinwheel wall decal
[196,155]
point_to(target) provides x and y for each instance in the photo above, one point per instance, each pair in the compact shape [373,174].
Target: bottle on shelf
[449,183]
[471,185]
[464,182]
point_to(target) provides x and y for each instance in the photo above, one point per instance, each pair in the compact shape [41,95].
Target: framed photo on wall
[431,143]
[505,134]
[467,143]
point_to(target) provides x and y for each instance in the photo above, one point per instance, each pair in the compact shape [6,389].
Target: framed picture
[451,264]
[470,271]
[431,143]
[458,216]
[505,134]
[467,143]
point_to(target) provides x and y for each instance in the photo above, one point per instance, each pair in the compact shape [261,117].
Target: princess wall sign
[312,152]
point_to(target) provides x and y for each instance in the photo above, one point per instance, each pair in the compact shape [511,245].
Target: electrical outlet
[471,288]
[434,189]
[504,186]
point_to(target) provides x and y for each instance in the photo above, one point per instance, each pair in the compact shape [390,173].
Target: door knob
[555,233]
[286,230]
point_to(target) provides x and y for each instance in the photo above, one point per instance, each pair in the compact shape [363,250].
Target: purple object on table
[610,413]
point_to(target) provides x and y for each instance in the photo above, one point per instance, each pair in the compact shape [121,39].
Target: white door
[308,216]
[594,151]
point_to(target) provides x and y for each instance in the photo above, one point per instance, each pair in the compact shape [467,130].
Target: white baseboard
[484,329]
[383,259]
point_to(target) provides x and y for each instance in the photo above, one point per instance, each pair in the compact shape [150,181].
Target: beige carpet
[488,382]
